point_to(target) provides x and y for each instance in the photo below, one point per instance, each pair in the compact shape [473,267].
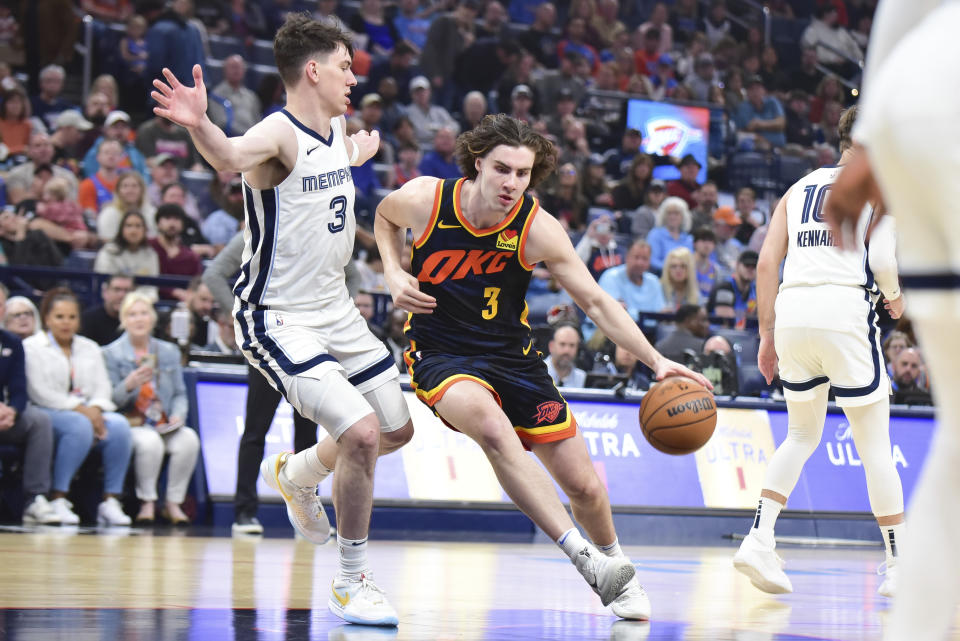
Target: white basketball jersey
[299,235]
[812,258]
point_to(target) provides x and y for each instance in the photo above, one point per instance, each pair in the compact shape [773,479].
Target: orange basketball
[678,415]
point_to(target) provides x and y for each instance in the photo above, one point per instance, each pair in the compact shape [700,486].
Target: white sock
[893,540]
[571,542]
[612,550]
[353,556]
[304,469]
[767,512]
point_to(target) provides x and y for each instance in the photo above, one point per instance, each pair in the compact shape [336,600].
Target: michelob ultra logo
[507,240]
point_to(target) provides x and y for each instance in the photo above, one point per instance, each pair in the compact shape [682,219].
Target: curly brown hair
[500,129]
[301,37]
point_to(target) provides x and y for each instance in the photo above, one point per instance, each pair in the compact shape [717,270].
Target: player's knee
[586,489]
[494,437]
[362,439]
[390,441]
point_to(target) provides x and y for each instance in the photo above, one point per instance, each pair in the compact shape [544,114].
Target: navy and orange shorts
[521,386]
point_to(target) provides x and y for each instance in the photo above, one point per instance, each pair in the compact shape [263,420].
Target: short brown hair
[500,129]
[54,296]
[301,37]
[845,126]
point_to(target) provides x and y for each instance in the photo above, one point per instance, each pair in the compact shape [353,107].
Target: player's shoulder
[421,188]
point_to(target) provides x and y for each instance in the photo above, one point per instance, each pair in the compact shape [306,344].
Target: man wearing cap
[663,79]
[116,127]
[425,117]
[706,198]
[521,102]
[40,153]
[725,223]
[163,172]
[686,186]
[232,106]
[618,162]
[371,119]
[562,109]
[703,78]
[760,117]
[69,127]
[743,283]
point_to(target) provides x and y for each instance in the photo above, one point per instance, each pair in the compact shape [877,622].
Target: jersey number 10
[816,206]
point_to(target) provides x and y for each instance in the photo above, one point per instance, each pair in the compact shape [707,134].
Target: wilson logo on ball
[696,406]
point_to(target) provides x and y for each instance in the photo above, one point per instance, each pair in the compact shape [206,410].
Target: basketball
[678,415]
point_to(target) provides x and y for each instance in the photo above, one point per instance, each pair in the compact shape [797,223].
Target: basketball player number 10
[808,192]
[490,293]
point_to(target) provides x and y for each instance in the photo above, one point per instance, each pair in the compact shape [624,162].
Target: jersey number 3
[339,205]
[490,294]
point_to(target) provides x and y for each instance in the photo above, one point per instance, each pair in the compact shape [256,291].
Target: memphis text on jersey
[814,238]
[327,180]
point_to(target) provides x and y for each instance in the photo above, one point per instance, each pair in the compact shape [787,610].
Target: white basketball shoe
[890,575]
[633,603]
[304,509]
[608,576]
[360,600]
[757,560]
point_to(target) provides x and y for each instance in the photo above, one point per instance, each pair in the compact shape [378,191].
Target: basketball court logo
[547,411]
[507,240]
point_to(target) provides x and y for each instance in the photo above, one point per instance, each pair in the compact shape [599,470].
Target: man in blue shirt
[761,117]
[632,284]
[21,424]
[440,163]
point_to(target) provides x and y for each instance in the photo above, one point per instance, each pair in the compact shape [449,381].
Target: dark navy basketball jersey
[478,277]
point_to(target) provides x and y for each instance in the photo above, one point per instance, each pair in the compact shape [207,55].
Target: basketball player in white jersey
[910,133]
[822,328]
[293,313]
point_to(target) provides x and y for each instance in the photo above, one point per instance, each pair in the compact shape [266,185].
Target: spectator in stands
[895,342]
[733,91]
[564,199]
[760,118]
[644,218]
[825,131]
[563,110]
[371,21]
[563,82]
[22,318]
[159,136]
[604,27]
[774,77]
[687,59]
[399,66]
[719,364]
[686,186]
[23,424]
[716,24]
[743,285]
[440,162]
[672,230]
[520,73]
[116,127]
[244,105]
[828,90]
[95,109]
[365,304]
[173,42]
[200,302]
[799,130]
[130,195]
[448,35]
[408,163]
[15,125]
[61,218]
[66,378]
[632,284]
[69,128]
[163,173]
[706,203]
[270,91]
[133,72]
[722,301]
[563,348]
[807,77]
[664,80]
[707,269]
[101,323]
[473,110]
[576,32]
[25,246]
[225,340]
[596,187]
[646,51]
[685,20]
[98,190]
[679,281]
[692,329]
[412,22]
[396,340]
[840,50]
[483,64]
[598,248]
[371,119]
[494,22]
[540,39]
[725,224]
[175,258]
[908,375]
[703,78]
[48,104]
[425,117]
[521,103]
[107,85]
[630,191]
[148,388]
[221,225]
[750,216]
[130,252]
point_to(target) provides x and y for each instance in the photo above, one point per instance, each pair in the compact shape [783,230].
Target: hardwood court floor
[141,586]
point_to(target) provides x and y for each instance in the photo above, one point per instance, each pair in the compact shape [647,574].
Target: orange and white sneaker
[360,600]
[304,508]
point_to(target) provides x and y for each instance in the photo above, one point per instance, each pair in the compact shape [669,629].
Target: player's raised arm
[548,242]
[768,280]
[409,207]
[361,146]
[187,107]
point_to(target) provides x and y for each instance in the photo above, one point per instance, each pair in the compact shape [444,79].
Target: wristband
[356,151]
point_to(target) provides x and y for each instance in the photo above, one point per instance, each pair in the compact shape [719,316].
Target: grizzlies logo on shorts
[521,386]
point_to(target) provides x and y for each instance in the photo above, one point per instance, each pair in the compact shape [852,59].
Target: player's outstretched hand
[767,358]
[368,143]
[178,103]
[406,293]
[665,367]
[894,307]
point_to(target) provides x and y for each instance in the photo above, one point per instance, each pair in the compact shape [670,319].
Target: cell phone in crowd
[150,360]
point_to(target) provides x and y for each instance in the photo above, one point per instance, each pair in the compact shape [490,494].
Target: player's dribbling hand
[186,106]
[406,293]
[665,367]
[894,307]
[767,358]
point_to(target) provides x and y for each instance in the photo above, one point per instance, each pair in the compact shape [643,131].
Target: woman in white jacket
[67,378]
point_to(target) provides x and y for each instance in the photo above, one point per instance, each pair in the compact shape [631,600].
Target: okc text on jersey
[326,180]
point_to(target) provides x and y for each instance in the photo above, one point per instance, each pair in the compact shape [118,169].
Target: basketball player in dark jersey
[471,360]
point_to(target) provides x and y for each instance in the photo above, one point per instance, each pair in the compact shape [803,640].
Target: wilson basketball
[678,415]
